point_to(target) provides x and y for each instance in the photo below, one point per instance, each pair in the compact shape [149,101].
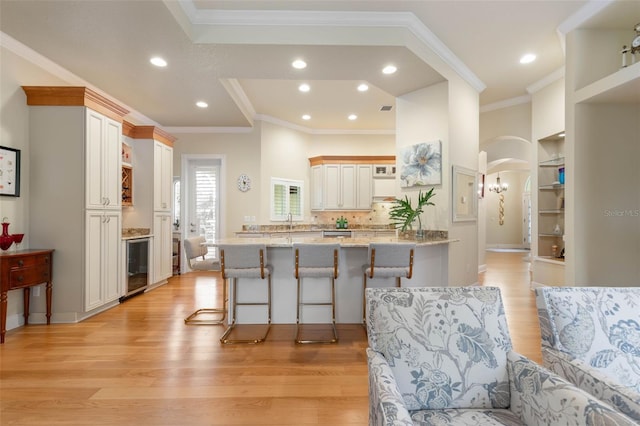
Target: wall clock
[635,43]
[244,183]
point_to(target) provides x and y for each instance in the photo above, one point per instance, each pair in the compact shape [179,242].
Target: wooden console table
[24,269]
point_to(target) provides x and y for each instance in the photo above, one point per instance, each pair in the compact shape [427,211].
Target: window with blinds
[286,197]
[206,192]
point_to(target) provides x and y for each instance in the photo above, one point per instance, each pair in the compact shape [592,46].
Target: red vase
[5,239]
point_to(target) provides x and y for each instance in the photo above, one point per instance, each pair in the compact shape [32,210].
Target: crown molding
[401,21]
[524,99]
[207,130]
[239,96]
[544,82]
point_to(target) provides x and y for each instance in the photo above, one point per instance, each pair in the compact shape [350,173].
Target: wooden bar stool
[245,261]
[316,261]
[387,260]
[195,249]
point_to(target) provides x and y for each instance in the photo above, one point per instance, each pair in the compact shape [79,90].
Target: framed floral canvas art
[421,164]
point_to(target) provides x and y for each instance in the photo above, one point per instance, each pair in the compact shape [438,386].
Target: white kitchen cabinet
[162,246]
[103,160]
[317,185]
[162,176]
[364,187]
[74,161]
[347,187]
[102,257]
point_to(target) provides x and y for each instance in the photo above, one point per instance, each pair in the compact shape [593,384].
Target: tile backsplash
[378,215]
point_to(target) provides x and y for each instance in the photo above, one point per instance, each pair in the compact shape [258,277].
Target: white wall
[14,133]
[447,112]
[284,154]
[352,145]
[422,116]
[242,154]
[513,121]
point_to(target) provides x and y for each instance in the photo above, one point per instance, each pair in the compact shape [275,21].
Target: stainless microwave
[384,170]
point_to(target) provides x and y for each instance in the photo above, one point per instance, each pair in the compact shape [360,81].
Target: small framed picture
[9,171]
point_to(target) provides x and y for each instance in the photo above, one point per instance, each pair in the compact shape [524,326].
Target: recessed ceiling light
[528,58]
[299,64]
[304,87]
[352,117]
[389,69]
[202,104]
[306,117]
[363,88]
[158,61]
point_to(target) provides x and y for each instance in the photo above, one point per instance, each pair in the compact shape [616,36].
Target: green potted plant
[403,213]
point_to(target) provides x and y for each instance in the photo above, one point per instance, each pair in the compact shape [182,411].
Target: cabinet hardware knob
[20,262]
[20,278]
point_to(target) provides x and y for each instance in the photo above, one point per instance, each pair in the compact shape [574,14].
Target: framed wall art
[9,171]
[464,194]
[421,164]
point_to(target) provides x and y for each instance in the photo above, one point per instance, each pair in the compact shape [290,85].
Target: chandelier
[498,187]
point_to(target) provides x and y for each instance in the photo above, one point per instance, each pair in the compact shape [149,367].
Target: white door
[202,192]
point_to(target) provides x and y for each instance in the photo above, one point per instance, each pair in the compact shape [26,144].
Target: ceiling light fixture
[299,64]
[304,87]
[528,58]
[389,69]
[306,117]
[363,87]
[202,104]
[498,187]
[352,117]
[158,61]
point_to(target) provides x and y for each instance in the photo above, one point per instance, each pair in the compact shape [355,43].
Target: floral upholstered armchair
[591,336]
[442,356]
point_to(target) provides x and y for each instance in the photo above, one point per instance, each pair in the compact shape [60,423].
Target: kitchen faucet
[290,220]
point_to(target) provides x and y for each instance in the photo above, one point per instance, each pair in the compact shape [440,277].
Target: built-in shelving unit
[127,175]
[551,163]
[127,186]
[603,106]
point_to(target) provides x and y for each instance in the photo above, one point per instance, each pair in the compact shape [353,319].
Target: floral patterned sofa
[442,356]
[591,337]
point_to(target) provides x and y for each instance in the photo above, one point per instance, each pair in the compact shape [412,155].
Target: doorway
[201,198]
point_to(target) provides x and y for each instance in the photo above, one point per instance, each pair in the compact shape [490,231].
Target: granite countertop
[313,227]
[344,242]
[132,233]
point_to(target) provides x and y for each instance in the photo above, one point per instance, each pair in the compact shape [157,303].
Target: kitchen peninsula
[430,270]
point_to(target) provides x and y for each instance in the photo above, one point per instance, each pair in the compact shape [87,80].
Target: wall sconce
[498,187]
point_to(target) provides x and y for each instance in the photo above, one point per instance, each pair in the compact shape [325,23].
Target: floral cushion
[591,336]
[446,347]
[426,347]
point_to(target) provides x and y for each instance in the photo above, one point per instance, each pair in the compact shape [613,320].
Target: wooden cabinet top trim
[73,96]
[352,159]
[147,132]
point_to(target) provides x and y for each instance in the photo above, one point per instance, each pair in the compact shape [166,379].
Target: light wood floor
[139,364]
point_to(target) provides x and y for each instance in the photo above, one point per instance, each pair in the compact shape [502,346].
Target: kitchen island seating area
[444,356]
[195,250]
[245,261]
[315,261]
[430,269]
